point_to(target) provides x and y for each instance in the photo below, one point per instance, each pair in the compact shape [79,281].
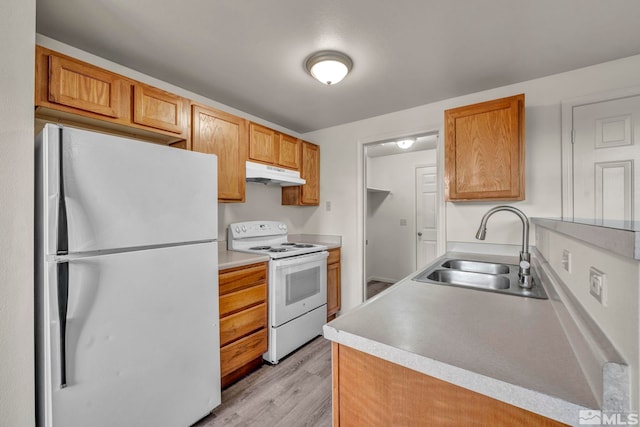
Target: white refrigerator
[127,329]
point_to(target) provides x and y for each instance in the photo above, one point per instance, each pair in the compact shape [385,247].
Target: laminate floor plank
[295,392]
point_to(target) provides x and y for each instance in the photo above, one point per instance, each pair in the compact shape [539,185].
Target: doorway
[600,158]
[401,208]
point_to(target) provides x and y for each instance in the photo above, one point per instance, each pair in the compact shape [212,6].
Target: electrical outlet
[566,260]
[403,222]
[598,285]
[327,205]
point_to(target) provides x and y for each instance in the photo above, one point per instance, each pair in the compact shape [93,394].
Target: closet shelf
[378,190]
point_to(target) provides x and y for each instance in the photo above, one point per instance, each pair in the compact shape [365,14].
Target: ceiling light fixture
[328,67]
[405,143]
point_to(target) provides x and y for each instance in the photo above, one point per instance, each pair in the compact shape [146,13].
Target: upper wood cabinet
[484,151]
[288,151]
[159,109]
[273,148]
[78,92]
[225,135]
[262,144]
[309,193]
[81,86]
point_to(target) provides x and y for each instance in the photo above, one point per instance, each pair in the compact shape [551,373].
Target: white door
[426,214]
[122,193]
[142,339]
[606,153]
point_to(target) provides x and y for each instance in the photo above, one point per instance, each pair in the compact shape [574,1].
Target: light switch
[403,222]
[598,285]
[566,260]
[327,205]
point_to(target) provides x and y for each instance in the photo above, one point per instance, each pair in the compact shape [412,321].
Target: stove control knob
[244,228]
[237,229]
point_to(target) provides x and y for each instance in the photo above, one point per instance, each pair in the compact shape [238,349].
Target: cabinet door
[82,86]
[262,144]
[288,152]
[333,286]
[224,135]
[484,151]
[309,193]
[311,173]
[159,109]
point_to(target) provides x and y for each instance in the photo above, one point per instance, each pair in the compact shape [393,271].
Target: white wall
[391,252]
[17,30]
[341,173]
[263,203]
[619,318]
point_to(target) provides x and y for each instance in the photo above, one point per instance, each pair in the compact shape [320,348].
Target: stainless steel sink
[477,266]
[466,278]
[483,276]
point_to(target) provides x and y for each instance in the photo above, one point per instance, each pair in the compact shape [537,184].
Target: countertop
[230,259]
[507,347]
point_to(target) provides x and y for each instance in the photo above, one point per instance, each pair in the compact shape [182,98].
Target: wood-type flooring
[295,392]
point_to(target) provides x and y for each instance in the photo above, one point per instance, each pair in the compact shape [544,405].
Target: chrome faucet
[524,269]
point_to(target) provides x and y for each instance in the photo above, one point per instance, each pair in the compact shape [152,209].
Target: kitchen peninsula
[428,353]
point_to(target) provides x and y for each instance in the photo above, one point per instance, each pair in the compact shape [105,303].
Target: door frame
[567,136]
[362,205]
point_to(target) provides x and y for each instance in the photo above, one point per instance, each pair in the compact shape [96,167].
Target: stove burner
[289,244]
[302,245]
[278,250]
[260,248]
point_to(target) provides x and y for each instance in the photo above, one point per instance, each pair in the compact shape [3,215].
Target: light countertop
[507,347]
[230,259]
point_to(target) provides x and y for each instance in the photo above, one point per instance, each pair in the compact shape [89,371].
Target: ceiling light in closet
[405,143]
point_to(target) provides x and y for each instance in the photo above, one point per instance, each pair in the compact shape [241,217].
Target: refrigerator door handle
[63,299]
[62,245]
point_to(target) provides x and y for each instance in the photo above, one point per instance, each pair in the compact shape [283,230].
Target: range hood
[272,175]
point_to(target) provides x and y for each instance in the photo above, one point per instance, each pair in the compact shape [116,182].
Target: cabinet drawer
[236,301]
[334,256]
[237,354]
[242,323]
[242,277]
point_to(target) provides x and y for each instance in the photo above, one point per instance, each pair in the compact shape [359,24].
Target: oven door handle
[300,259]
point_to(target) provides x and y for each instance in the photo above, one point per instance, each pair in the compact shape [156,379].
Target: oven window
[302,285]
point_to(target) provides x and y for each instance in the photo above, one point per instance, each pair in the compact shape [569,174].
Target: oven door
[297,285]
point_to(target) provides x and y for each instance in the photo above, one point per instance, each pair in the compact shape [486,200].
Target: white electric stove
[297,283]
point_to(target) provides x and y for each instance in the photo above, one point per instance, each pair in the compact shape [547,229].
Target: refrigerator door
[142,339]
[103,192]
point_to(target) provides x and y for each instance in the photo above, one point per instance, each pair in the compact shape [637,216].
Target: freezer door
[103,192]
[142,339]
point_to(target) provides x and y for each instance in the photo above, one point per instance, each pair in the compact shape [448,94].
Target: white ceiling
[249,54]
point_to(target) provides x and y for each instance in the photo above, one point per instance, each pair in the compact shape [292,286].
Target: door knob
[419,233]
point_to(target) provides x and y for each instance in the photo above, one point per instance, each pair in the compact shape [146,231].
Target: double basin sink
[484,276]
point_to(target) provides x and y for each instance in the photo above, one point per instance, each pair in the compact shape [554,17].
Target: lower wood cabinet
[333,283]
[374,392]
[243,320]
